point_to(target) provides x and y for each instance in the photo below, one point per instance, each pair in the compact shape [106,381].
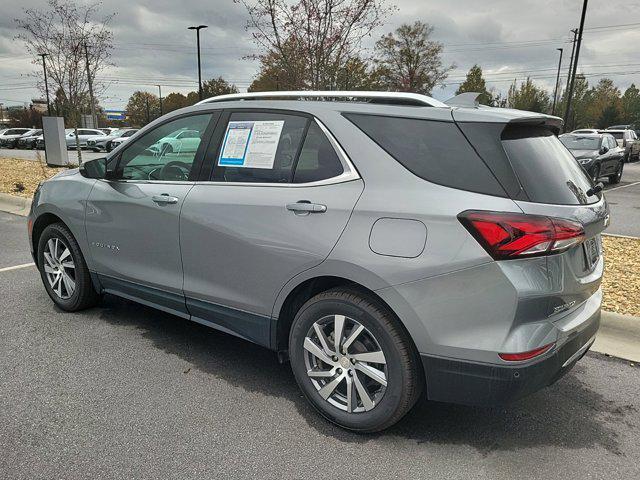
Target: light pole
[197,29]
[555,92]
[94,117]
[160,96]
[575,64]
[46,84]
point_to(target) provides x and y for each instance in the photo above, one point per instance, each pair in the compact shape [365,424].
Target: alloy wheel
[59,268]
[345,363]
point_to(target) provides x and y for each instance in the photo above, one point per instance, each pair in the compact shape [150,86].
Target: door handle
[165,199]
[305,207]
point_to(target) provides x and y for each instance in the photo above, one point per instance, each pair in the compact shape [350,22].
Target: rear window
[546,169]
[573,142]
[617,135]
[432,150]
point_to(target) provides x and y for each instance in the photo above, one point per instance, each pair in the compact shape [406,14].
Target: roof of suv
[380,103]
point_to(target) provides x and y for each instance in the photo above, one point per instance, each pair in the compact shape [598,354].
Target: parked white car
[9,135]
[83,135]
[99,142]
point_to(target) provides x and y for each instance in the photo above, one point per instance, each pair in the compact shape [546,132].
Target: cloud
[508,39]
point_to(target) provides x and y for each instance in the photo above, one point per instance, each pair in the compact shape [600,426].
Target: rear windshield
[433,150]
[547,171]
[573,142]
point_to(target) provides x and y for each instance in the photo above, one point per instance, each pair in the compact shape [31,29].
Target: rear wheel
[616,177]
[353,361]
[64,271]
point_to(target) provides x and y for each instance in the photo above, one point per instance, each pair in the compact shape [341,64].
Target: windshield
[617,135]
[580,143]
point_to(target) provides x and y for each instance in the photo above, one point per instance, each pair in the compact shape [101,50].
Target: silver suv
[387,245]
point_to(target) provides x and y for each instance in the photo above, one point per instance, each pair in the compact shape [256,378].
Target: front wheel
[595,173]
[616,177]
[64,271]
[353,360]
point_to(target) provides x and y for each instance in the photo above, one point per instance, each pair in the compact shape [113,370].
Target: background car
[627,139]
[83,135]
[108,130]
[586,130]
[116,142]
[28,139]
[99,142]
[7,137]
[599,154]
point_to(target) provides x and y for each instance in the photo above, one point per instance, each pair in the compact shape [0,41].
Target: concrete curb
[14,204]
[619,336]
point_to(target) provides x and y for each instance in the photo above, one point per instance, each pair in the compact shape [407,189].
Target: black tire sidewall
[379,416]
[75,301]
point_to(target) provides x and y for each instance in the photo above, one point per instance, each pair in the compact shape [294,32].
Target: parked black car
[598,153]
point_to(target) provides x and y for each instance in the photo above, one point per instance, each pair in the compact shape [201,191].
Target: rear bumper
[471,383]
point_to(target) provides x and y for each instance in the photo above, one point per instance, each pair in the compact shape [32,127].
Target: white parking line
[16,267]
[622,186]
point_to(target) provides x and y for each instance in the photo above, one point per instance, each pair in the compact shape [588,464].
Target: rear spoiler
[546,121]
[484,114]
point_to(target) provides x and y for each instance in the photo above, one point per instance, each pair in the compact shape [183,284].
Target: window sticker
[251,144]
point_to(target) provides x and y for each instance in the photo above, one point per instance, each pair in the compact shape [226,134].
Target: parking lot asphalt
[124,391]
[33,154]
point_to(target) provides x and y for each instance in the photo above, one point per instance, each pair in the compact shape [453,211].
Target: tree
[142,108]
[25,117]
[604,107]
[62,32]
[174,101]
[310,40]
[630,105]
[217,86]
[408,61]
[528,96]
[579,117]
[476,83]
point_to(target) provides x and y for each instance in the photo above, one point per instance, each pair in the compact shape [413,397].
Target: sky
[509,39]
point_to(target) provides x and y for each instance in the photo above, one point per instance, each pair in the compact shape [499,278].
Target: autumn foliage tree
[408,60]
[65,32]
[311,40]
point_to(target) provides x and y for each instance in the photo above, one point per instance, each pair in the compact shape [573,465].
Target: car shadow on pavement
[568,414]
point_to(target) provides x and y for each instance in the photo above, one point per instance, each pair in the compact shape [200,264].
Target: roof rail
[390,98]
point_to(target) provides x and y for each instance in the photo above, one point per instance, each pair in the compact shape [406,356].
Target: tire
[595,173]
[381,332]
[616,177]
[84,294]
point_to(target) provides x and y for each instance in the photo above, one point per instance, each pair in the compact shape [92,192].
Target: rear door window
[259,147]
[318,159]
[547,171]
[433,150]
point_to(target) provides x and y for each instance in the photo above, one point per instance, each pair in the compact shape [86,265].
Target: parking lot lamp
[197,29]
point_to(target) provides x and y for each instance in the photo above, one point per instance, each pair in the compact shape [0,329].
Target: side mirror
[96,168]
[604,149]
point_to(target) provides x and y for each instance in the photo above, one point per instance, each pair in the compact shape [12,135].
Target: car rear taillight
[513,235]
[521,357]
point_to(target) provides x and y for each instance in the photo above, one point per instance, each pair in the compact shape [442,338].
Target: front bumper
[471,383]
